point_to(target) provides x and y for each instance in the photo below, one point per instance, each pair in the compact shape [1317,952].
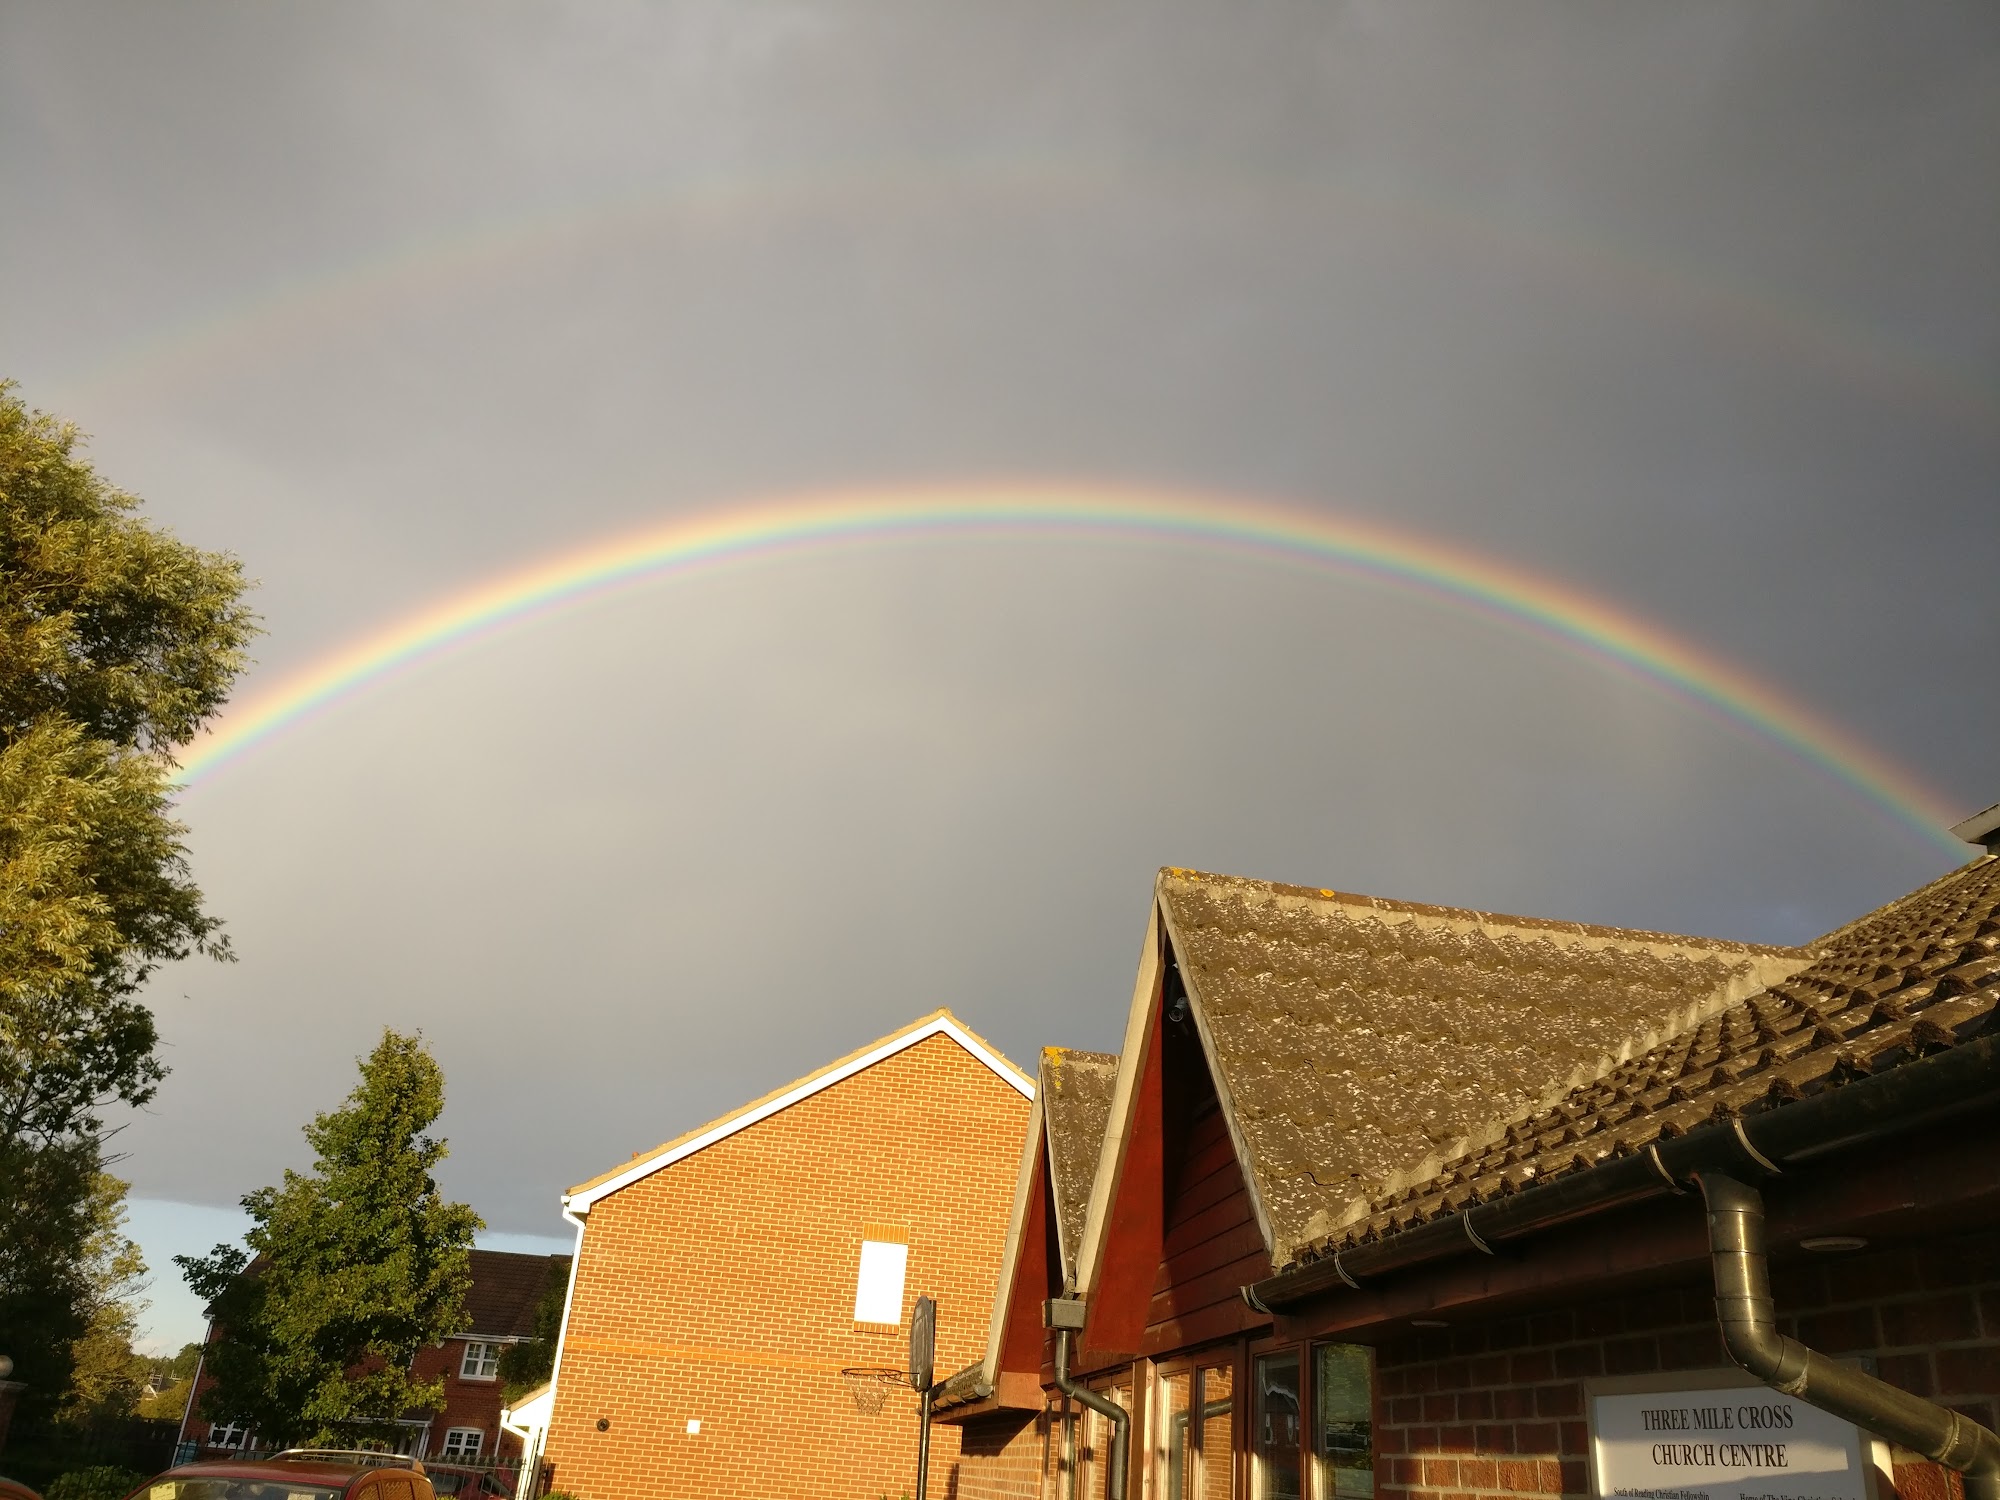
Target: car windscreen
[227,1487]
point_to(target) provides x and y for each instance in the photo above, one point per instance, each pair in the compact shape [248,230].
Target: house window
[229,1435]
[481,1362]
[1343,1436]
[878,1287]
[1274,1427]
[462,1442]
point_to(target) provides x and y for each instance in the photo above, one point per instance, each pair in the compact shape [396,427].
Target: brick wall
[720,1289]
[467,1403]
[1001,1457]
[1496,1408]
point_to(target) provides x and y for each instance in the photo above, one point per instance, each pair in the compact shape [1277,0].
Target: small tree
[530,1363]
[358,1265]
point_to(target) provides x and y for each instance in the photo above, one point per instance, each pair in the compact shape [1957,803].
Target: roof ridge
[1390,904]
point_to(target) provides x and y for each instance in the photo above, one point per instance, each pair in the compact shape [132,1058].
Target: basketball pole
[923,1354]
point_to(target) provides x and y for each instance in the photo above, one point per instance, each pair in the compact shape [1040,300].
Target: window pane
[878,1289]
[1218,1449]
[1175,1443]
[1343,1431]
[1274,1428]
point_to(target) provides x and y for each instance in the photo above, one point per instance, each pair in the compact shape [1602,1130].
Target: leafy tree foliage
[116,642]
[531,1362]
[357,1265]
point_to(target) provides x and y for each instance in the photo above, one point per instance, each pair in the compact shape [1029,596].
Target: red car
[297,1474]
[13,1489]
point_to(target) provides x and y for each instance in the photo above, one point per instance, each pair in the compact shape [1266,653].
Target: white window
[463,1442]
[229,1435]
[878,1289]
[481,1362]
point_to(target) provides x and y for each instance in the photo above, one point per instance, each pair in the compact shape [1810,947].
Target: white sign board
[1729,1443]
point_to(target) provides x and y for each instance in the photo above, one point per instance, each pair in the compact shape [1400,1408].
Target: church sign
[1724,1441]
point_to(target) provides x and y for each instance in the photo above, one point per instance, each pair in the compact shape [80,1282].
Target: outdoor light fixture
[1829,1244]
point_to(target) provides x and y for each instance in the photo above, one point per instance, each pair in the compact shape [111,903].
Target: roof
[1076,1104]
[938,1023]
[1357,1041]
[1914,977]
[506,1292]
[1981,828]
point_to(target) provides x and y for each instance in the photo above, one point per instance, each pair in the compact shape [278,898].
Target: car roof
[305,1470]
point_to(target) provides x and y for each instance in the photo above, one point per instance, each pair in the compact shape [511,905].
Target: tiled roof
[1355,1038]
[1920,974]
[1076,1100]
[506,1290]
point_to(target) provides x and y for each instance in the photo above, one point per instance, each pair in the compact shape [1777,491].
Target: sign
[1723,1443]
[923,1343]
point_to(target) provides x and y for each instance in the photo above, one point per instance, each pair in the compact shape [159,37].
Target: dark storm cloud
[1694,306]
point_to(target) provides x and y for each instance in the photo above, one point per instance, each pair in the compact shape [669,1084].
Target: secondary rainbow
[741,533]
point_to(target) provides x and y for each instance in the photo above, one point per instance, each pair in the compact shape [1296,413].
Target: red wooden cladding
[1212,1245]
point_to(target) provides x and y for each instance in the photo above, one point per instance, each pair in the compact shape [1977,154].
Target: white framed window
[481,1362]
[878,1285]
[462,1442]
[229,1435]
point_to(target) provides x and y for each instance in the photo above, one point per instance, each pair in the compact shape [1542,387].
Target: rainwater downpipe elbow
[1065,1316]
[1750,1334]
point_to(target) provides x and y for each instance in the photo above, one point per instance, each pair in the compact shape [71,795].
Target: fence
[39,1450]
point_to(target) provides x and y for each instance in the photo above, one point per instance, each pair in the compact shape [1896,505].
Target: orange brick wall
[1002,1457]
[721,1288]
[1496,1408]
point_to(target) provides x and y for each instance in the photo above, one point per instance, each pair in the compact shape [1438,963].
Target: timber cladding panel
[1497,1407]
[720,1289]
[1213,1246]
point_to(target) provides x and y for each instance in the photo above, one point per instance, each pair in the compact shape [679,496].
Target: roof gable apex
[578,1200]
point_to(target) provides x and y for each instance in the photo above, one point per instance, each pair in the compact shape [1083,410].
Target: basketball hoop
[868,1386]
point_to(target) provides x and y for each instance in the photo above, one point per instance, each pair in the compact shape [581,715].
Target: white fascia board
[577,1204]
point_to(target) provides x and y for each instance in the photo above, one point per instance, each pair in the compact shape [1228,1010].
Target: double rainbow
[1512,597]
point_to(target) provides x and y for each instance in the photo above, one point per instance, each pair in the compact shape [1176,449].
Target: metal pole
[923,1442]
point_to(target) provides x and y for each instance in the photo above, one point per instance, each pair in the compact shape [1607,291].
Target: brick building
[726,1279]
[1406,1203]
[500,1306]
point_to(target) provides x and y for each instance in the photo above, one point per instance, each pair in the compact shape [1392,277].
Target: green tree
[357,1265]
[531,1362]
[117,642]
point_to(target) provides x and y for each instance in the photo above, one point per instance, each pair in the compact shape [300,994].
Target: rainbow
[1513,597]
[330,300]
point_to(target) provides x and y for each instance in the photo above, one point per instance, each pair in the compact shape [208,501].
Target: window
[481,1362]
[1274,1431]
[229,1435]
[878,1288]
[1343,1423]
[462,1442]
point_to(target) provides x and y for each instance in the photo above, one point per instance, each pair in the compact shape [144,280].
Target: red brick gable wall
[721,1289]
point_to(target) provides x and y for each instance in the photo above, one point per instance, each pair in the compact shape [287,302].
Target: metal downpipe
[1121,1419]
[1750,1333]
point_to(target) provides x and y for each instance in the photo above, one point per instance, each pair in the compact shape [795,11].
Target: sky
[1694,310]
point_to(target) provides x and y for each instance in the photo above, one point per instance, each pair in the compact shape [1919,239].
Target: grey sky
[1693,306]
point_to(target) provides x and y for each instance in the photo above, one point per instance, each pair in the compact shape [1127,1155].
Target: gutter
[1750,1334]
[1065,1316]
[1919,1093]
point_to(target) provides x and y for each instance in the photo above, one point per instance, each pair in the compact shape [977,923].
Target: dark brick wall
[1496,1407]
